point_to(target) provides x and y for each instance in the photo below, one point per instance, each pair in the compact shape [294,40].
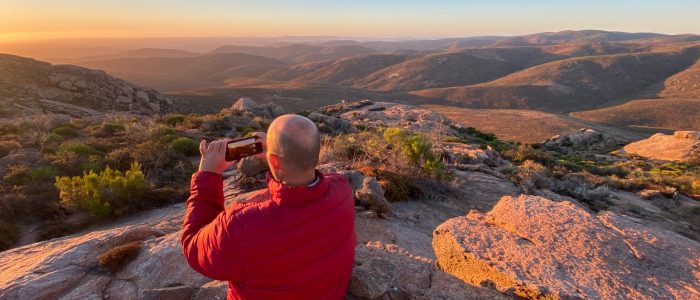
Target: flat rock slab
[683,146]
[535,248]
[387,271]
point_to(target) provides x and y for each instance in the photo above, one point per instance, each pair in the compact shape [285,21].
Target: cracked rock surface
[539,249]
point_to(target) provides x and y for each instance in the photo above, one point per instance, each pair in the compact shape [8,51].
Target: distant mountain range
[560,72]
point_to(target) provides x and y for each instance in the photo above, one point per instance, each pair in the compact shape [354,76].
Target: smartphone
[241,148]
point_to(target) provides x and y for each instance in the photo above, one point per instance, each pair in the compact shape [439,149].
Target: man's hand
[214,157]
[262,138]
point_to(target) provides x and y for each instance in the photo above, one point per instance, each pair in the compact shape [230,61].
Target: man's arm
[206,242]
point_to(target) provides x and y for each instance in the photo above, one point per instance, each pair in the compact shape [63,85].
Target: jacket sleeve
[206,241]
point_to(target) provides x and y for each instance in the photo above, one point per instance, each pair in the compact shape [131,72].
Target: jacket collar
[287,194]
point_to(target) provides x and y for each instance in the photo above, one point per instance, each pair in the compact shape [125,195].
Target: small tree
[418,150]
[110,192]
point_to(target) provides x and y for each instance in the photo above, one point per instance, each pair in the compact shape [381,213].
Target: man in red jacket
[293,240]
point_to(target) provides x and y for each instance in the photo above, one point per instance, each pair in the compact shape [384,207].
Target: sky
[26,20]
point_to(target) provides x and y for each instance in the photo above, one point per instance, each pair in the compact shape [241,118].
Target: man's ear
[274,161]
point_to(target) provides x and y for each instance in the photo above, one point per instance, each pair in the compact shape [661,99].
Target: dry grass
[115,259]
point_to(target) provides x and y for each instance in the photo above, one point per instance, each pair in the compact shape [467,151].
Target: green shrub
[37,178]
[7,146]
[418,150]
[168,138]
[185,145]
[173,120]
[65,131]
[40,175]
[53,139]
[77,148]
[165,131]
[109,192]
[110,129]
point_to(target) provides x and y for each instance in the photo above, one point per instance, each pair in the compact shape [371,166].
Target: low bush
[7,146]
[77,148]
[185,146]
[109,192]
[110,129]
[33,180]
[65,131]
[174,120]
[9,235]
[164,135]
[418,150]
[51,141]
[530,176]
[391,149]
[397,187]
[115,259]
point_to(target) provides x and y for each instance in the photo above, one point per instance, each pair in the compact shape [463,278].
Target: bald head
[295,139]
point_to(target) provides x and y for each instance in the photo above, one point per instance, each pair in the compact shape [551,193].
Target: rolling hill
[671,114]
[293,96]
[171,74]
[349,70]
[573,84]
[436,70]
[137,53]
[297,53]
[685,84]
[553,38]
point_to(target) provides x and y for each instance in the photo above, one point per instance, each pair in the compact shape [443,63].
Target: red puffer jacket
[284,243]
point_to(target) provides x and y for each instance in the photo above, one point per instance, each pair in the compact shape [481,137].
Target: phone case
[241,148]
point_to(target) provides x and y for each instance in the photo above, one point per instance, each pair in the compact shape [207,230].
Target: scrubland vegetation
[590,178]
[81,171]
[85,171]
[398,159]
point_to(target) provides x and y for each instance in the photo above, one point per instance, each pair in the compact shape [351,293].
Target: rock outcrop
[248,107]
[387,114]
[330,124]
[682,146]
[586,139]
[30,87]
[535,248]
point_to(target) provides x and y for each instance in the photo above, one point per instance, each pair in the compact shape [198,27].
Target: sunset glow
[32,20]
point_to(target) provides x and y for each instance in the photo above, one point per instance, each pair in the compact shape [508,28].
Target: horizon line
[353,36]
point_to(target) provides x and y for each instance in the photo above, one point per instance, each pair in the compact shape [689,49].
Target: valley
[582,73]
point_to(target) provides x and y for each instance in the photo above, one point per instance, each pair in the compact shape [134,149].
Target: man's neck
[301,180]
